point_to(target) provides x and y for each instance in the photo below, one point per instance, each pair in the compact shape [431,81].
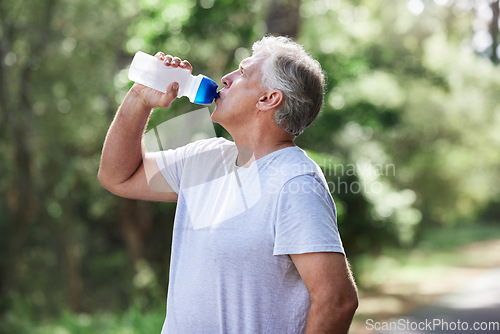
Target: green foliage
[406,91]
[408,138]
[59,72]
[134,320]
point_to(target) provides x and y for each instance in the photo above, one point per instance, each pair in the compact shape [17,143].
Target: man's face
[241,92]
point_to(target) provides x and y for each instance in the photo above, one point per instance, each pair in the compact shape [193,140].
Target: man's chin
[215,116]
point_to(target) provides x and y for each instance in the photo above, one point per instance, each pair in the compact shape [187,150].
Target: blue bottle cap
[206,92]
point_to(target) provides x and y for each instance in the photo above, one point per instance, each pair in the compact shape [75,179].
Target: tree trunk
[283,18]
[72,261]
[16,107]
[135,223]
[495,9]
[22,200]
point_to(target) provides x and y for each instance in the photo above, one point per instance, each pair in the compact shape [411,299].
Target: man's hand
[152,98]
[124,161]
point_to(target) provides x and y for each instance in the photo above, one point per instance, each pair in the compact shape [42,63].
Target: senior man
[255,246]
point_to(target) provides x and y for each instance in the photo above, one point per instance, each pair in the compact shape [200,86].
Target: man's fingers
[175,62]
[185,64]
[169,60]
[160,55]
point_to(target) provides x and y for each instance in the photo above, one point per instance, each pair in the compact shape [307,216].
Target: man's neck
[248,152]
[259,138]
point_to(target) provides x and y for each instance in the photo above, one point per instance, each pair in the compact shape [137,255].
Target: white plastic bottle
[152,72]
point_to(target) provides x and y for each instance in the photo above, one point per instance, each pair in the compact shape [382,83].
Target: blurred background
[408,139]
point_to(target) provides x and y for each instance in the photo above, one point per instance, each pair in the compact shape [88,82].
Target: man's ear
[270,100]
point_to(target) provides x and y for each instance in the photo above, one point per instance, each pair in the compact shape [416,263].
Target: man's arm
[332,291]
[125,170]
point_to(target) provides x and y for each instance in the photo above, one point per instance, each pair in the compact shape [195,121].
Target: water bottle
[152,72]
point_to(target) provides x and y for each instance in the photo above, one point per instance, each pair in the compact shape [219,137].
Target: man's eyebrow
[243,64]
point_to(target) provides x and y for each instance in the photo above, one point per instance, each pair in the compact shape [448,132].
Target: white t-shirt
[234,228]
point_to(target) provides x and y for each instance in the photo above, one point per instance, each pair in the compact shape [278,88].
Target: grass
[132,321]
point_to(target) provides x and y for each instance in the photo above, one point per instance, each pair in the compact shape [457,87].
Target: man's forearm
[325,319]
[122,150]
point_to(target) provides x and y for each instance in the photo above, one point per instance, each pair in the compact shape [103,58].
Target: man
[255,247]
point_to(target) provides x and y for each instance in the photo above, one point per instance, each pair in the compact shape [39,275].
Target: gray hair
[290,69]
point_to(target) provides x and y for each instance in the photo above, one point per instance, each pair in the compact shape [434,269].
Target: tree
[283,18]
[56,79]
[405,91]
[494,27]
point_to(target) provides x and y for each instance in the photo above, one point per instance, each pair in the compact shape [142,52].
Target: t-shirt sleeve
[170,163]
[306,219]
[188,159]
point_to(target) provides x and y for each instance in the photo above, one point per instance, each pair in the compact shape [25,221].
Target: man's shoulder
[291,163]
[296,160]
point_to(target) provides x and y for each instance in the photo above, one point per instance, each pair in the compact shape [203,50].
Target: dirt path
[467,290]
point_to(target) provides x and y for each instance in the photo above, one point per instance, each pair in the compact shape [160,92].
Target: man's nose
[227,80]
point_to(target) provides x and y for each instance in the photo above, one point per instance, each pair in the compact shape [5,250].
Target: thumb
[170,95]
[173,89]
